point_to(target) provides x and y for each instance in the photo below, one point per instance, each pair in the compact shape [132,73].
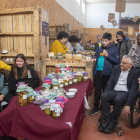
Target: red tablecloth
[32,123]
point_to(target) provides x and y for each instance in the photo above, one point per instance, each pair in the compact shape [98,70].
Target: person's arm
[134,89]
[34,82]
[78,47]
[115,58]
[128,45]
[12,82]
[4,66]
[110,83]
[5,88]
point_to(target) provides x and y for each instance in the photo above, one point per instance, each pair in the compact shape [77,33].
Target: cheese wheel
[77,57]
[68,56]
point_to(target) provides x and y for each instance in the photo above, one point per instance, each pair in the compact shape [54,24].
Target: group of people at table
[116,71]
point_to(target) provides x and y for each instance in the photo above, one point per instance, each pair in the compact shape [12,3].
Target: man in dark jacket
[98,43]
[122,89]
[124,44]
[106,57]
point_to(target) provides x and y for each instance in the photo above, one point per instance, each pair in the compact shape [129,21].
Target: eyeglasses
[123,63]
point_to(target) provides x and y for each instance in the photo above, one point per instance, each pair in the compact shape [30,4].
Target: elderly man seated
[122,88]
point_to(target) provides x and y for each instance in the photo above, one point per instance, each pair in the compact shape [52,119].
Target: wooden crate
[76,32]
[25,30]
[55,29]
[75,66]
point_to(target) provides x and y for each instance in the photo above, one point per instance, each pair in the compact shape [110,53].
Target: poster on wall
[111,16]
[120,6]
[114,22]
[135,19]
[130,30]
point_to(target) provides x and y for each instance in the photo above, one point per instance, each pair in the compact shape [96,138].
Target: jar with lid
[75,79]
[85,75]
[22,95]
[79,74]
[46,86]
[70,79]
[56,113]
[61,82]
[55,84]
[30,95]
[66,81]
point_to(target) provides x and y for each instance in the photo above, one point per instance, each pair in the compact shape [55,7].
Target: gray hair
[130,58]
[97,36]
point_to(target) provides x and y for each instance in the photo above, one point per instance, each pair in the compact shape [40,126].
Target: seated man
[122,88]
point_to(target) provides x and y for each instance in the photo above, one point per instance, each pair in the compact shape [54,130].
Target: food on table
[55,84]
[46,86]
[30,95]
[66,81]
[85,75]
[22,95]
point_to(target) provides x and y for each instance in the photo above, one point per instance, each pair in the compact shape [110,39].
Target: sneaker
[4,51]
[94,111]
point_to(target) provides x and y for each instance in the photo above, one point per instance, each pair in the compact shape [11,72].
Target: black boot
[110,127]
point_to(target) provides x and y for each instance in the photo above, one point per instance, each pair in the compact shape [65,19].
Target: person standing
[135,52]
[124,44]
[106,57]
[98,43]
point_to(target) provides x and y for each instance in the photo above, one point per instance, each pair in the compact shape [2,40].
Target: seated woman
[72,41]
[79,47]
[59,44]
[4,95]
[22,72]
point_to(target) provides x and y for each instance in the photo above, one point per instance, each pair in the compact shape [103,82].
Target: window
[83,6]
[78,1]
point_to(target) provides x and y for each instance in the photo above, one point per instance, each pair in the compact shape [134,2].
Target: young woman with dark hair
[22,72]
[59,44]
[72,41]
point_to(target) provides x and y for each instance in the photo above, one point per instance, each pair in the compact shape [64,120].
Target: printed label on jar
[58,114]
[75,80]
[61,85]
[66,84]
[70,82]
[86,78]
[24,97]
[55,87]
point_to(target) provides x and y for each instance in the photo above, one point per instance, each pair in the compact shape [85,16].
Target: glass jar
[75,79]
[66,83]
[47,111]
[61,85]
[55,84]
[22,95]
[82,78]
[30,99]
[70,81]
[79,78]
[46,86]
[55,115]
[85,77]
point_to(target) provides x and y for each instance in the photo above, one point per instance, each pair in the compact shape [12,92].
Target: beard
[138,43]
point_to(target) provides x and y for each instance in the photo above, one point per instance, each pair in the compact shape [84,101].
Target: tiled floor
[90,130]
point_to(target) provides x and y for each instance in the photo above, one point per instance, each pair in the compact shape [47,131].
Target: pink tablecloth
[32,123]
